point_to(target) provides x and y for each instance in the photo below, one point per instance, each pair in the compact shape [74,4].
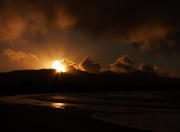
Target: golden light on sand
[58,66]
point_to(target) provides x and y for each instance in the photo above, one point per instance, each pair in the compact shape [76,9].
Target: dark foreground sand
[30,118]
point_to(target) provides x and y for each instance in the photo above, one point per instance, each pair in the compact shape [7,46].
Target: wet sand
[31,118]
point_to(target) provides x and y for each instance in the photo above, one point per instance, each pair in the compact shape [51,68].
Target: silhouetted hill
[47,80]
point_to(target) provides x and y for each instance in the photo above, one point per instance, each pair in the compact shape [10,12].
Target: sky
[120,35]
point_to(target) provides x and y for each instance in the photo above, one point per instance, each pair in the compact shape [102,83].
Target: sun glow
[58,66]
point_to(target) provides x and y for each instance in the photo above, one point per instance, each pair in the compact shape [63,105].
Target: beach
[28,118]
[137,111]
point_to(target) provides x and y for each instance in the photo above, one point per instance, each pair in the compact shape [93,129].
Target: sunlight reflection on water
[157,111]
[58,105]
[23,99]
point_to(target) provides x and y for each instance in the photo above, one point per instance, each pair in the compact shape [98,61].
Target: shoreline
[22,117]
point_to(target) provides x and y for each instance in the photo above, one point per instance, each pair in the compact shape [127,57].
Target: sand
[31,118]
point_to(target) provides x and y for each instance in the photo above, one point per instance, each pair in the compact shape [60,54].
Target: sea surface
[158,111]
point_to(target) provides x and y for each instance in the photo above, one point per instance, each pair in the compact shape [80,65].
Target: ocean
[157,111]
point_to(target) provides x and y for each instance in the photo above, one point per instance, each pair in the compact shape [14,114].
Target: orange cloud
[17,56]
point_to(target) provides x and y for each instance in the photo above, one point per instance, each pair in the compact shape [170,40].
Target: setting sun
[58,66]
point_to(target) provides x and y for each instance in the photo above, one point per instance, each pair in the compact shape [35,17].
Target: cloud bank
[125,64]
[150,26]
[89,65]
[17,56]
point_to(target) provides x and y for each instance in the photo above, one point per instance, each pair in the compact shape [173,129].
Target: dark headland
[48,81]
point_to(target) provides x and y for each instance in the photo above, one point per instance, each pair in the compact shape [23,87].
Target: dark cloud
[152,26]
[21,18]
[153,69]
[89,65]
[123,64]
[146,68]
